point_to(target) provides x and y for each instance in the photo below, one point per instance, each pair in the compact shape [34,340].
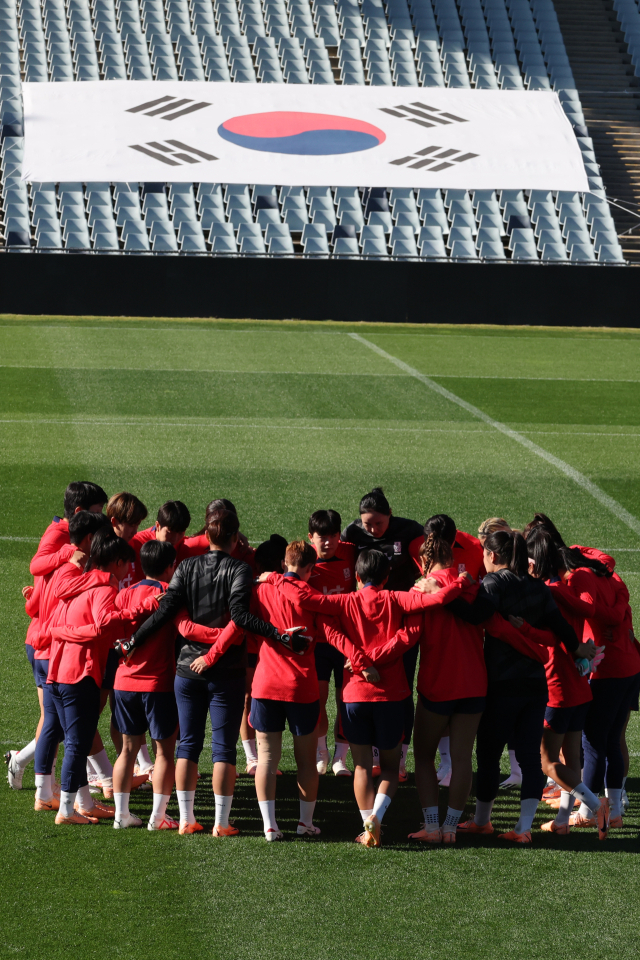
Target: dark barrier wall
[368,290]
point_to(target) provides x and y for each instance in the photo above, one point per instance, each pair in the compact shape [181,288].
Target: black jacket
[214,589]
[395,544]
[511,673]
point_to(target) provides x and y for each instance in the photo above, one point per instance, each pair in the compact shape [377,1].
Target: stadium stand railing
[474,44]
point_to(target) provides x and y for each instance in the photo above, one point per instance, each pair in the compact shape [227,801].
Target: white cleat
[322,761]
[513,780]
[273,835]
[624,800]
[129,821]
[340,769]
[443,773]
[307,831]
[166,823]
[15,772]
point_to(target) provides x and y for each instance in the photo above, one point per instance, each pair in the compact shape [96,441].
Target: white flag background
[296,134]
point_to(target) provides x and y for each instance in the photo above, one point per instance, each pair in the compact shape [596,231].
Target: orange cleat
[576,820]
[186,828]
[449,836]
[167,823]
[403,776]
[99,811]
[40,806]
[74,819]
[470,826]
[225,831]
[427,836]
[522,838]
[551,793]
[137,782]
[615,823]
[562,829]
[603,816]
[372,828]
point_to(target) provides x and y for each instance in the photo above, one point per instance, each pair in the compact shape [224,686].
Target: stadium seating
[481,44]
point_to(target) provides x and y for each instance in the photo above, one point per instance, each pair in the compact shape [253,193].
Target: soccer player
[334,572]
[215,589]
[198,544]
[83,630]
[170,527]
[125,512]
[372,619]
[144,697]
[53,550]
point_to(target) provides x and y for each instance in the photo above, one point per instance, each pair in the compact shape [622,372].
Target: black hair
[510,549]
[442,527]
[270,554]
[156,556]
[106,548]
[83,523]
[325,522]
[372,566]
[212,507]
[375,502]
[82,494]
[222,526]
[174,515]
[549,557]
[542,520]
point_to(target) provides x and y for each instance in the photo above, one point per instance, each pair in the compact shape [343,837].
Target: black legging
[519,720]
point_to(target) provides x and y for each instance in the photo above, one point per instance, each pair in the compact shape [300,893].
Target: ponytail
[222,525]
[543,553]
[542,520]
[510,549]
[441,526]
[434,550]
[573,559]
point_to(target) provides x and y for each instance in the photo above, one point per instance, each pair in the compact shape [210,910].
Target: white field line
[209,424]
[22,539]
[307,373]
[579,478]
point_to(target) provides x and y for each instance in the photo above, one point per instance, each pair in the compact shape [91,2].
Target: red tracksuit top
[566,687]
[281,674]
[151,667]
[371,618]
[336,575]
[137,542]
[467,555]
[53,550]
[85,626]
[49,600]
[32,609]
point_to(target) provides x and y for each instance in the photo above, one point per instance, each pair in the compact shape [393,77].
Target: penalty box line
[579,478]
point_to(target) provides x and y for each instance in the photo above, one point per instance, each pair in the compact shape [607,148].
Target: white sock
[431,816]
[615,801]
[268,811]
[322,744]
[67,801]
[550,781]
[340,751]
[102,764]
[405,751]
[84,798]
[43,787]
[306,812]
[376,756]
[122,805]
[565,808]
[624,781]
[588,798]
[584,811]
[483,812]
[223,807]
[452,818]
[443,748]
[143,759]
[527,813]
[381,805]
[249,747]
[160,801]
[186,799]
[513,763]
[365,814]
[26,755]
[91,770]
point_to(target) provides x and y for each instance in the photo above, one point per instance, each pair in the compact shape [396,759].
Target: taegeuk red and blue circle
[307,134]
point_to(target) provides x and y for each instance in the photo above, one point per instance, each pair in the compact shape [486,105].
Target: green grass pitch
[286,418]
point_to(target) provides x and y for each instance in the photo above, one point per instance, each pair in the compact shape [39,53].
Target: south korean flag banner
[297,134]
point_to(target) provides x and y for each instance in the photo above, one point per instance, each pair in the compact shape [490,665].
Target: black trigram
[428,156]
[422,114]
[172,152]
[167,108]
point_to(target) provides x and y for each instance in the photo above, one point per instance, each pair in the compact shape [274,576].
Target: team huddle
[517,640]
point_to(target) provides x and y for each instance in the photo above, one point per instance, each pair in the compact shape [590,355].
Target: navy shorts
[329,661]
[223,701]
[379,723]
[566,719]
[110,670]
[447,707]
[41,672]
[136,711]
[271,716]
[31,657]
